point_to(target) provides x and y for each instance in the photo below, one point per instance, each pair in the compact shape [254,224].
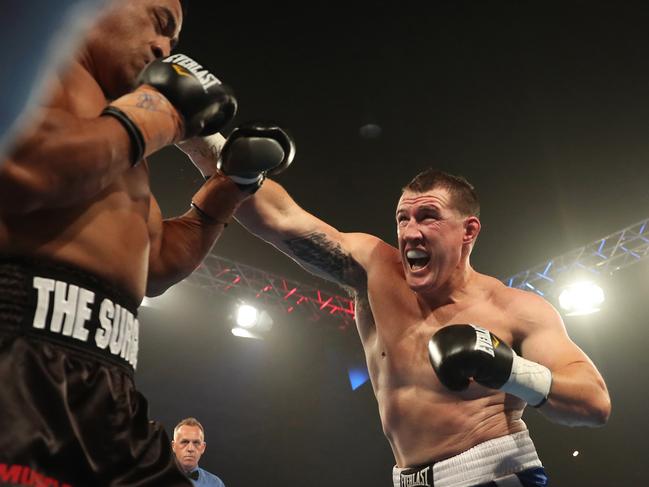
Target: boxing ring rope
[602,257]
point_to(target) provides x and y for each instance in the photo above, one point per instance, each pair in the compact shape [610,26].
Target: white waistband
[484,462]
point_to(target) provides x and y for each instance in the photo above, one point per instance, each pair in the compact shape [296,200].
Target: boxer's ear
[471,229]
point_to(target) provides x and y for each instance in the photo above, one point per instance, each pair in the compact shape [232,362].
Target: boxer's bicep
[544,336]
[545,339]
[330,254]
[27,170]
[272,215]
[553,349]
[578,394]
[64,160]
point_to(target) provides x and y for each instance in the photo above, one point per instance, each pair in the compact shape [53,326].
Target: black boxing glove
[253,151]
[176,98]
[459,353]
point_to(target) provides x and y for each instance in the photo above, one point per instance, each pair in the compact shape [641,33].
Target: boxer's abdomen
[107,236]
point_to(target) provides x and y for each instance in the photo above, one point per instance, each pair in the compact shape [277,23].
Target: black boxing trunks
[508,461]
[70,413]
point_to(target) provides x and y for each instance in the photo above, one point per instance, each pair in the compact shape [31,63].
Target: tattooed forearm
[317,251]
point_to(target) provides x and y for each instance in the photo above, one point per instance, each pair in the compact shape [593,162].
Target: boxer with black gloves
[82,240]
[458,423]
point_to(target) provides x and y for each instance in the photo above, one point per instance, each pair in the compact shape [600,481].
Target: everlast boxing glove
[461,352]
[250,153]
[254,151]
[176,98]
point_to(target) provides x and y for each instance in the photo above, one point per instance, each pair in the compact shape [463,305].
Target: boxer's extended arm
[272,215]
[179,245]
[578,395]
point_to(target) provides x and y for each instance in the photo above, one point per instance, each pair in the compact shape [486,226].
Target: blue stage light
[357,376]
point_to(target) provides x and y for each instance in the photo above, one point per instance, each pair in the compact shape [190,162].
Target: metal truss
[600,258]
[242,281]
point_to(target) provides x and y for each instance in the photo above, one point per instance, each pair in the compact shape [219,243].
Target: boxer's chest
[402,332]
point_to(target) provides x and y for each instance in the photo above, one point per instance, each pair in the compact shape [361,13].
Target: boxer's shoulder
[68,99]
[524,311]
[508,298]
[76,92]
[372,252]
[524,303]
[84,95]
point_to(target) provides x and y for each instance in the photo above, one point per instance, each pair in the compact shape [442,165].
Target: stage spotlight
[581,298]
[243,333]
[251,322]
[247,316]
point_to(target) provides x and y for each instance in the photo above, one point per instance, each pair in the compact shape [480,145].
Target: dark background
[543,106]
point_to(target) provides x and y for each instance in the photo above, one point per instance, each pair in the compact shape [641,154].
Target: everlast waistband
[69,307]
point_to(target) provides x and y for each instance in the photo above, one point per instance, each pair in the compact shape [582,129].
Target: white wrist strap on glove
[246,181]
[204,152]
[529,381]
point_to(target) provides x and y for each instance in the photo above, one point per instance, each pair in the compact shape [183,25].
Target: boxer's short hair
[463,194]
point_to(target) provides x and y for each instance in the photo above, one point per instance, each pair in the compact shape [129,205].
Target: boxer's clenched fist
[176,98]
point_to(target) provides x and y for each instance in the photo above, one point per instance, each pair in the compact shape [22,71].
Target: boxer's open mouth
[417,259]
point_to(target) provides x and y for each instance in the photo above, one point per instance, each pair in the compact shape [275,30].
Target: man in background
[189,445]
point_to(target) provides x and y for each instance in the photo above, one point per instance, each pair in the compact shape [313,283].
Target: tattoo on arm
[317,251]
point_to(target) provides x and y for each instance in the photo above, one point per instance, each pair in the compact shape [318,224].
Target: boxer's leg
[71,415]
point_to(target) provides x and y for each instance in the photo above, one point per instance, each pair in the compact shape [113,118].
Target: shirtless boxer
[82,240]
[459,428]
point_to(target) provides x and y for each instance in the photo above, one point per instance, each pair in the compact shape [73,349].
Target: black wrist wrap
[133,131]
